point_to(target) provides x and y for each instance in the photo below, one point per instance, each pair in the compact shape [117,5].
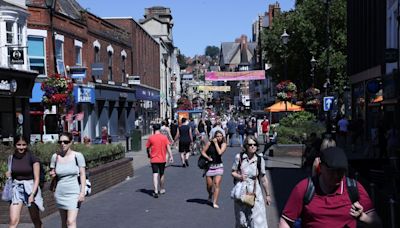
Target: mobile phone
[79,204]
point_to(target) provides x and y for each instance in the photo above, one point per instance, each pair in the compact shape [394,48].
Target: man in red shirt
[331,205]
[157,146]
[265,129]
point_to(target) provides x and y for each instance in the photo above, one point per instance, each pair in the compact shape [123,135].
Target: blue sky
[197,23]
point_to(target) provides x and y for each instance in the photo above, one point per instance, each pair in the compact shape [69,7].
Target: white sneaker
[162,191]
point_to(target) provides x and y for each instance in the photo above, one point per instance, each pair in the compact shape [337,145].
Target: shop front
[147,107]
[15,91]
[114,109]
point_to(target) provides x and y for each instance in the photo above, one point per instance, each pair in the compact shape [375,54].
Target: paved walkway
[130,204]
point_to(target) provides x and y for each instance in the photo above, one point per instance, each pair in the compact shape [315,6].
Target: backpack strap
[352,189]
[310,191]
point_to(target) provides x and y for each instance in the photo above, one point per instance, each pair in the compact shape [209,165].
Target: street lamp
[313,62]
[328,70]
[285,39]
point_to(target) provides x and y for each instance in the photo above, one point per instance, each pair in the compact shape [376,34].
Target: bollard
[271,153]
[372,189]
[392,205]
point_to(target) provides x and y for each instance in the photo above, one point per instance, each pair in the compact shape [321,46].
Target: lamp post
[51,5]
[285,39]
[328,70]
[313,63]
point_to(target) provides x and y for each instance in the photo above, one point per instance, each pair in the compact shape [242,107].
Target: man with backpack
[329,199]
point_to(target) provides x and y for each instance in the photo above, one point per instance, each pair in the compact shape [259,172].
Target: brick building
[98,55]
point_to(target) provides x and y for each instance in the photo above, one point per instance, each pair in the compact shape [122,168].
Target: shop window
[36,54]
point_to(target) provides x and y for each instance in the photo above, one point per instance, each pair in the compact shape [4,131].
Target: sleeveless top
[213,153]
[184,135]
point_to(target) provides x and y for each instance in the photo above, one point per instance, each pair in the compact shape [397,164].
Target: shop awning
[282,107]
[37,93]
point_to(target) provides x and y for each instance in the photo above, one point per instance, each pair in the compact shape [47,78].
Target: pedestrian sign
[328,102]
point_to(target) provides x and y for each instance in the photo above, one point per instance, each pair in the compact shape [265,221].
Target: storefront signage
[84,94]
[97,69]
[134,80]
[16,56]
[147,94]
[78,72]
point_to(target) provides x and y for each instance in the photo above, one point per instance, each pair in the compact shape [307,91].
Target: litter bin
[136,140]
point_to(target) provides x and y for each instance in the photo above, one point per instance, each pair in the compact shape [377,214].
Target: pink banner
[235,76]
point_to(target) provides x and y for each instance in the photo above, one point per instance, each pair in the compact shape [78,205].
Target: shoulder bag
[88,187]
[7,189]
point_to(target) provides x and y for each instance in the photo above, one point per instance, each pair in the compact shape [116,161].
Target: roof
[70,8]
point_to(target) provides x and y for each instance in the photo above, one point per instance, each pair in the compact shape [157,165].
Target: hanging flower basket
[286,90]
[58,91]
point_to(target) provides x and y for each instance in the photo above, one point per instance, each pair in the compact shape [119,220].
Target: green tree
[212,51]
[306,25]
[182,61]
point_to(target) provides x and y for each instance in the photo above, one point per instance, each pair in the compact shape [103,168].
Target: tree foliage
[182,61]
[306,25]
[212,51]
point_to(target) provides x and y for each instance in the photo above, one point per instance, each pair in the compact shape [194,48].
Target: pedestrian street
[130,204]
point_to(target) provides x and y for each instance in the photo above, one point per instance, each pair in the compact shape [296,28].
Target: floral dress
[255,217]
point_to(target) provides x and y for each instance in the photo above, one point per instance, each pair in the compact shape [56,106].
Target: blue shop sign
[78,72]
[84,94]
[147,94]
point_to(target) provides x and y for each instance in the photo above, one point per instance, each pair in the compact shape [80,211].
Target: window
[78,53]
[60,56]
[123,67]
[96,54]
[36,54]
[110,63]
[9,32]
[19,34]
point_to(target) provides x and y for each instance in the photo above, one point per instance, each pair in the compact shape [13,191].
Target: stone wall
[102,177]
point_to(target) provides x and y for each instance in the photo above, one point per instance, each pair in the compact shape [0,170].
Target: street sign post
[328,101]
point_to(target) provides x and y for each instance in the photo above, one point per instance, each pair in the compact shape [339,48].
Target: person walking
[249,168]
[25,173]
[231,125]
[184,134]
[241,129]
[157,147]
[213,152]
[343,124]
[104,135]
[330,205]
[265,129]
[67,166]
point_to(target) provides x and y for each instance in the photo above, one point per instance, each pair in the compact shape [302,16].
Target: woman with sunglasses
[25,172]
[68,166]
[249,168]
[213,152]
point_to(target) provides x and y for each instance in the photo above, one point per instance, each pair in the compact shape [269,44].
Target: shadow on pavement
[146,191]
[199,201]
[175,166]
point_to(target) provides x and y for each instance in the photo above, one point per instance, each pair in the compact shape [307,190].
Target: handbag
[237,191]
[7,189]
[203,163]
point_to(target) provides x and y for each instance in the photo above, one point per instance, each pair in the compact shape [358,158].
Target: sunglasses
[64,141]
[252,144]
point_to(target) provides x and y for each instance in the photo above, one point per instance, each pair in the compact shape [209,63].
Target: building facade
[16,80]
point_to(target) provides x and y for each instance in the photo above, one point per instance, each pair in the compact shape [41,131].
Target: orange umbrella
[281,107]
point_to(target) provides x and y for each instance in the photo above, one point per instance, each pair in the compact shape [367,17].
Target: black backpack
[351,189]
[42,176]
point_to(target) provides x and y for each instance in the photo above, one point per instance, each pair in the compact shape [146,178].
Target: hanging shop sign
[16,56]
[77,72]
[84,94]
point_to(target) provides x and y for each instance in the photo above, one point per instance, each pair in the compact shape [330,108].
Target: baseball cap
[334,158]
